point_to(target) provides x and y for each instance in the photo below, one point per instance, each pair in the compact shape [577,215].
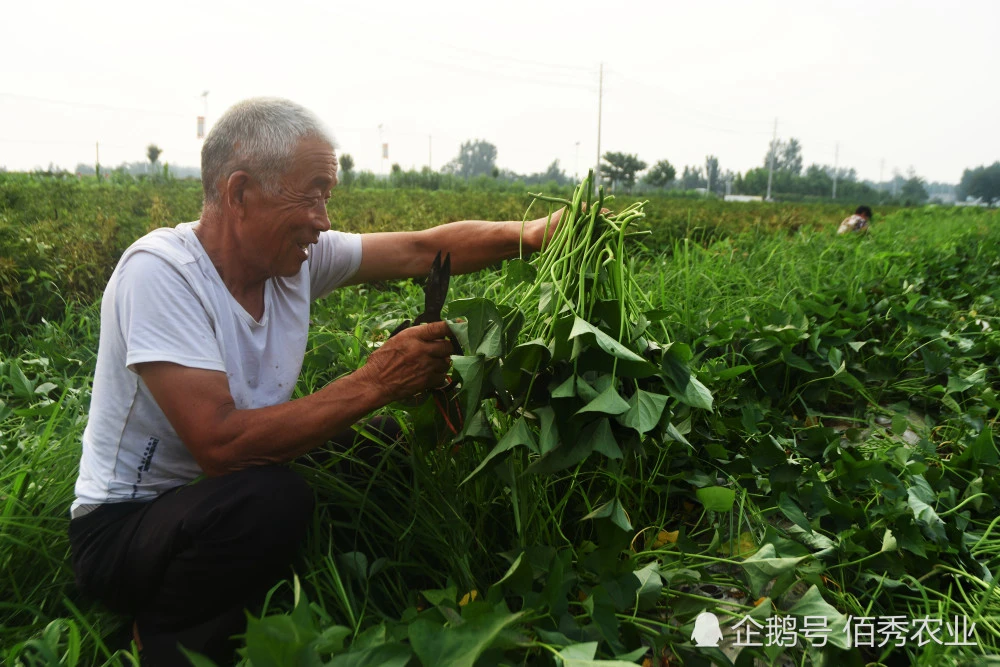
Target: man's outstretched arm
[473,244]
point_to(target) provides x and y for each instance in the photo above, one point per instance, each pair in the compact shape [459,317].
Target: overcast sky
[908,82]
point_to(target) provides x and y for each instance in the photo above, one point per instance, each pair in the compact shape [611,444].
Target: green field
[737,412]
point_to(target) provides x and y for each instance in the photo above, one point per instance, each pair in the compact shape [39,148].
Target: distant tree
[981,182]
[711,172]
[913,191]
[844,174]
[347,168]
[791,159]
[817,181]
[554,173]
[153,152]
[621,168]
[754,182]
[474,158]
[661,175]
[787,157]
[52,170]
[692,178]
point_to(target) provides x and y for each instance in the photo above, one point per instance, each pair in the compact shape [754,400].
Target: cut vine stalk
[589,242]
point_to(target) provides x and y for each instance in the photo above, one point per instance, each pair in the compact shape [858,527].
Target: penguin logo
[706,630]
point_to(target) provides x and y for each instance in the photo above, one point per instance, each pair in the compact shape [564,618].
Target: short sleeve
[161,317]
[333,260]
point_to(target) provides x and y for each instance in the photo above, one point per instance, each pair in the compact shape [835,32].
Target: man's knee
[260,505]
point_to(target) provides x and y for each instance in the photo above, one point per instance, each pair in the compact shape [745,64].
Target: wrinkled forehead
[314,146]
[314,158]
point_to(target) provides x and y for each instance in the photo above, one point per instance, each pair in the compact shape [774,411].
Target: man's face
[280,228]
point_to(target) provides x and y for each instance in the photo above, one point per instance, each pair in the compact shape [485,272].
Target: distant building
[743,198]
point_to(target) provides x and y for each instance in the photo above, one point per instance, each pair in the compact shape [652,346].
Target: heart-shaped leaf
[644,411]
[519,435]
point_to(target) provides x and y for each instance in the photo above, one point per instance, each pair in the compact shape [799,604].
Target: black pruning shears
[435,293]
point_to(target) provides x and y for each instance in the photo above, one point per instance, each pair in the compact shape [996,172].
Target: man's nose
[322,220]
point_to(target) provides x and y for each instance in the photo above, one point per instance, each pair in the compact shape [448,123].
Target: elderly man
[203,332]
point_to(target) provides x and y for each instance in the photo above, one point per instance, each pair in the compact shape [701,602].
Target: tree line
[782,173]
[476,166]
[981,183]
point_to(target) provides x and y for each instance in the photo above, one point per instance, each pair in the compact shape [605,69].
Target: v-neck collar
[236,306]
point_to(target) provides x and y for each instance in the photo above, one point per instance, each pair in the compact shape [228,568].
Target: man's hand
[542,229]
[412,361]
[535,231]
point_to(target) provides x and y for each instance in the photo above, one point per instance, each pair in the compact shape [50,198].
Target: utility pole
[708,176]
[770,169]
[430,164]
[97,163]
[600,96]
[836,162]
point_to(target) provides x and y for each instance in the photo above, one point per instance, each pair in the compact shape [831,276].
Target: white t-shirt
[165,301]
[852,223]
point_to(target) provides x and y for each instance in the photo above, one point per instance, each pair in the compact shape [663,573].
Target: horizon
[175,169]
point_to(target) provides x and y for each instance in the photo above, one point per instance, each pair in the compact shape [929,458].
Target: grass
[836,332]
[41,426]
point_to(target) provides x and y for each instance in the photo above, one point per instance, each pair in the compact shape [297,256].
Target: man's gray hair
[259,136]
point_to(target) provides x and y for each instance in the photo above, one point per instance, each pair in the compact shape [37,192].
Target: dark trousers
[188,563]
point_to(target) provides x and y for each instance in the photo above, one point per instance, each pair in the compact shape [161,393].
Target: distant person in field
[859,222]
[185,512]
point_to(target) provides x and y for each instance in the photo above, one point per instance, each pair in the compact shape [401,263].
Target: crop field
[686,433]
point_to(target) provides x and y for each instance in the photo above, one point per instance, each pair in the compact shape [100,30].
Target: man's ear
[236,187]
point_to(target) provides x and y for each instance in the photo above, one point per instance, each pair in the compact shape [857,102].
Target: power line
[493,74]
[715,128]
[522,61]
[93,105]
[689,107]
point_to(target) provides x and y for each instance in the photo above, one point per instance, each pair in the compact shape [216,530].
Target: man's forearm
[223,439]
[476,244]
[473,244]
[281,433]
